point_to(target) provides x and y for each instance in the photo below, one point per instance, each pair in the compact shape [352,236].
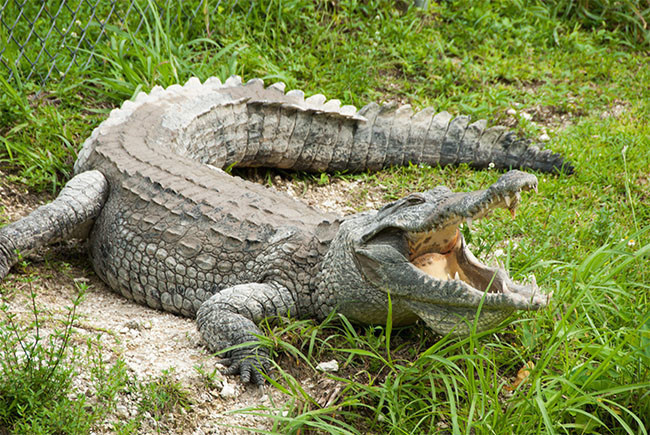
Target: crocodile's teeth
[448,277]
[456,276]
[507,199]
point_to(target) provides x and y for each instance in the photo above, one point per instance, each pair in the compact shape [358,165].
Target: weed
[37,372]
[163,395]
[158,401]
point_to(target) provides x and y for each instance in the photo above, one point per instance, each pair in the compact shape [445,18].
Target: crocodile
[169,227]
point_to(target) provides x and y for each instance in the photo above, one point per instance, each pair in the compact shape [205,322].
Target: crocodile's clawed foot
[249,363]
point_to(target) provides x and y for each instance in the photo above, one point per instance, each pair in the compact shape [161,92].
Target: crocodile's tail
[234,124]
[397,135]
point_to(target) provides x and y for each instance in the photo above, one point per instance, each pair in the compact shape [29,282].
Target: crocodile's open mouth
[444,256]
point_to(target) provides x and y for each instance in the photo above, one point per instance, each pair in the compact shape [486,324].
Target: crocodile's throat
[447,258]
[432,242]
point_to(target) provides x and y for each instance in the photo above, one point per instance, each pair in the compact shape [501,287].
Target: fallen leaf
[522,376]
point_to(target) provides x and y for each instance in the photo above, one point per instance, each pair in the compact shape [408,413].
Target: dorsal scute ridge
[192,82]
[332,105]
[404,111]
[369,108]
[297,94]
[316,101]
[255,83]
[213,82]
[388,107]
[174,89]
[480,124]
[348,109]
[280,86]
[233,81]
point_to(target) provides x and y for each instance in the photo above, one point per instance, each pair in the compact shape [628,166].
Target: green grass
[585,237]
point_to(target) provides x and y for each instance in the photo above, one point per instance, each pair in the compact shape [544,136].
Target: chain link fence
[42,39]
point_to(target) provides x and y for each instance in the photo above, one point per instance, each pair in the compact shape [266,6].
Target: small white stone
[329,366]
[228,391]
[544,137]
[121,410]
[511,111]
[527,116]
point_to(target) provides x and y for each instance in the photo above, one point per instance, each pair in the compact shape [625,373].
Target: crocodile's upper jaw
[414,250]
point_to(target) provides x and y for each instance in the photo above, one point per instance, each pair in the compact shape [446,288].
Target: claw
[249,365]
[245,374]
[226,362]
[232,369]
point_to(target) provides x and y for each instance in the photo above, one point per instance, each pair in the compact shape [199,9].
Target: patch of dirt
[150,341]
[16,201]
[616,109]
[338,195]
[552,118]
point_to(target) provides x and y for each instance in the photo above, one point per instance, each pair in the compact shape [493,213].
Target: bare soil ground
[151,341]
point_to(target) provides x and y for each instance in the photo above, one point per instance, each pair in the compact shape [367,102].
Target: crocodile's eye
[415,199]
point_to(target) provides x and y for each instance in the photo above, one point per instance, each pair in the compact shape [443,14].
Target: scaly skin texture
[170,229]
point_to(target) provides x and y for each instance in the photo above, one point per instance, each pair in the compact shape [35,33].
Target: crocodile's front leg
[70,215]
[230,318]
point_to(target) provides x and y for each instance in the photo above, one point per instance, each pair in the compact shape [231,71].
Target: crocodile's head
[413,250]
